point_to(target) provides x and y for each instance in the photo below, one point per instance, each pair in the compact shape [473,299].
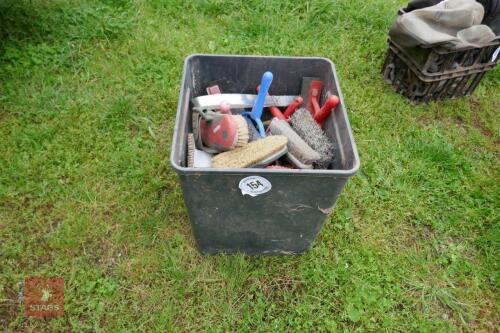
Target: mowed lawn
[88,95]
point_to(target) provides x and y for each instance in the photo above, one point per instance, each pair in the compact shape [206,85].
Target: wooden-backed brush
[299,152]
[197,158]
[191,146]
[257,153]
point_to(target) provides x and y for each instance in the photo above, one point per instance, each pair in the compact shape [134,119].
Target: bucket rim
[179,169]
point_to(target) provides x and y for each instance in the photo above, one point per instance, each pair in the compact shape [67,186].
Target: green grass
[88,94]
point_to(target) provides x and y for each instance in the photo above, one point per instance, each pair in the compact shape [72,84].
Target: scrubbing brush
[255,154]
[303,123]
[191,146]
[299,152]
[215,132]
[197,158]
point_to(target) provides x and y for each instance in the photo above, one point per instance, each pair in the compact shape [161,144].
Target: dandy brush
[299,152]
[197,158]
[257,153]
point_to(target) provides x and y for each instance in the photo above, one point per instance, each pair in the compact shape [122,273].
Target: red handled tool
[313,98]
[276,113]
[293,106]
[330,104]
[311,92]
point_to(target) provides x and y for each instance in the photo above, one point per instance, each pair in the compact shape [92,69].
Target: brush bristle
[190,150]
[251,154]
[195,121]
[305,126]
[296,145]
[243,131]
[253,133]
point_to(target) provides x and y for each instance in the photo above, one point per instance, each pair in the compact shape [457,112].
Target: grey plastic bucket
[287,218]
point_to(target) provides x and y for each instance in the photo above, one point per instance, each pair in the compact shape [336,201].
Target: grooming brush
[215,132]
[191,146]
[197,158]
[331,102]
[255,154]
[299,152]
[305,126]
[297,163]
[253,133]
[271,158]
[256,113]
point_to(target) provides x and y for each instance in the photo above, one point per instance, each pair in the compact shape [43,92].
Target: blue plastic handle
[258,107]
